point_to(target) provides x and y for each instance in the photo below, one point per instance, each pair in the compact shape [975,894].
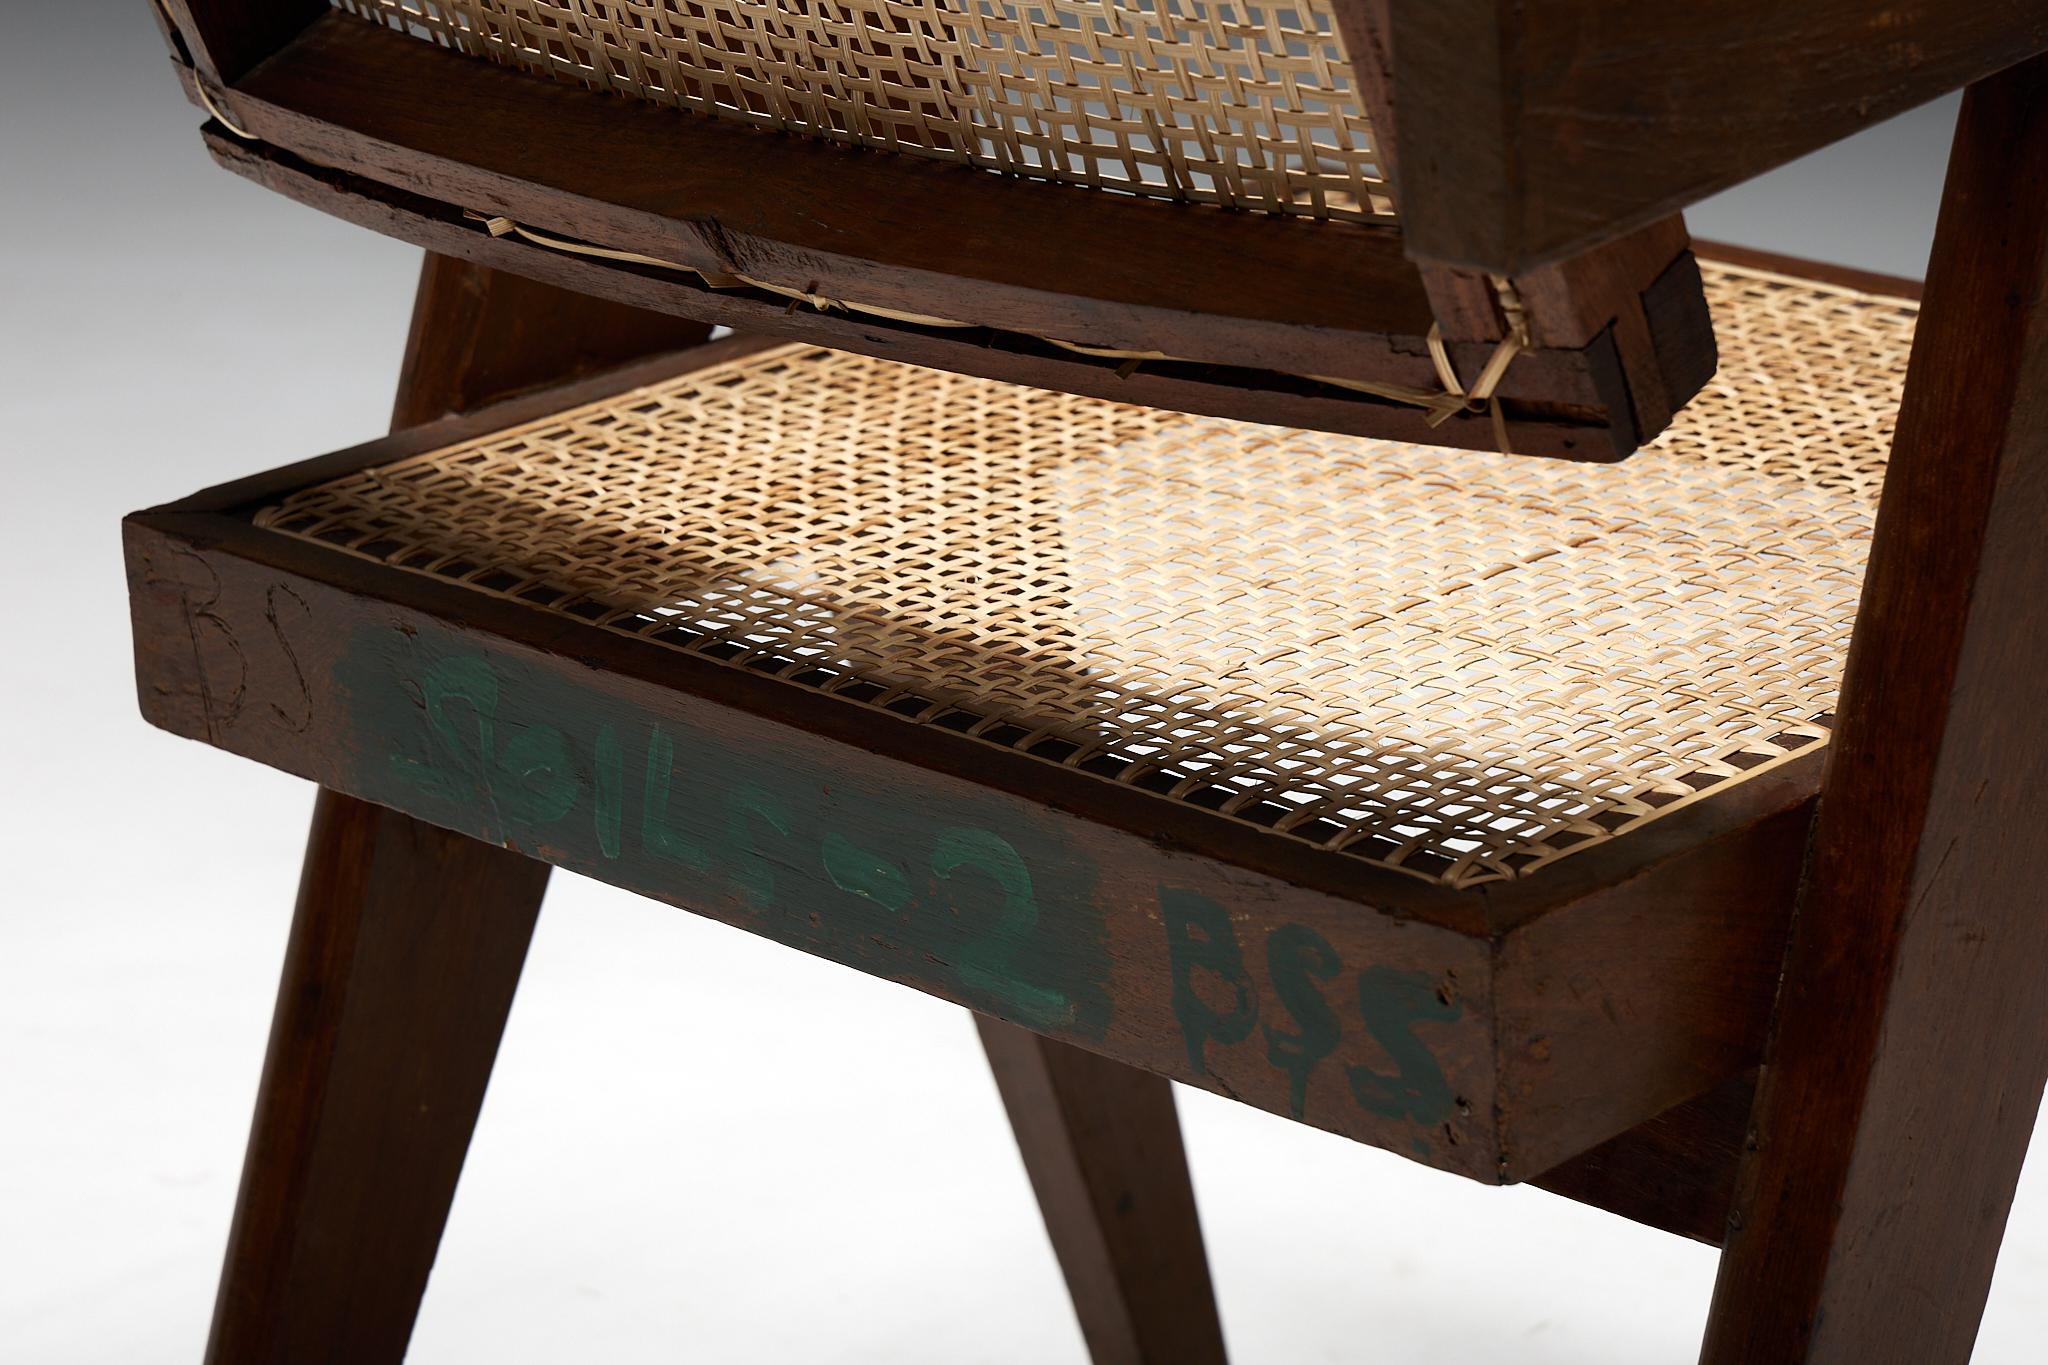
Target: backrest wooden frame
[1222,312]
[1535,129]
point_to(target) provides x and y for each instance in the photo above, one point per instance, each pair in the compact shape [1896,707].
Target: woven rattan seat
[1457,666]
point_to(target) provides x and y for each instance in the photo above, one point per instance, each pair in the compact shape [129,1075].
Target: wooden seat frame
[1858,1190]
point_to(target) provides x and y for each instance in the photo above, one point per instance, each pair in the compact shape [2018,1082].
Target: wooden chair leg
[404,954]
[406,945]
[1101,1142]
[1906,1067]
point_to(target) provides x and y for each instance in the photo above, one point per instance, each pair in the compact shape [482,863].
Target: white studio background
[698,1146]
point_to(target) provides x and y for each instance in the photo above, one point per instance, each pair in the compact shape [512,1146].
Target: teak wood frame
[1680,924]
[1240,314]
[1905,1021]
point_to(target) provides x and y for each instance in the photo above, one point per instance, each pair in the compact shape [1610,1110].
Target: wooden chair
[1095,587]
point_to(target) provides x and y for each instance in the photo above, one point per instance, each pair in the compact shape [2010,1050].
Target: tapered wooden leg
[404,954]
[405,949]
[1101,1142]
[1906,1067]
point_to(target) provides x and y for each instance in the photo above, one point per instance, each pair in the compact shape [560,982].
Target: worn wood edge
[1217,391]
[173,689]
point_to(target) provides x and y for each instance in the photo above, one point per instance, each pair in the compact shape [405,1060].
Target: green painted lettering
[1392,1003]
[1296,958]
[536,778]
[1200,939]
[855,870]
[659,836]
[610,814]
[988,963]
[750,807]
[530,779]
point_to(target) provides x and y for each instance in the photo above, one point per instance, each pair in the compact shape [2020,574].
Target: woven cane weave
[1460,665]
[1241,102]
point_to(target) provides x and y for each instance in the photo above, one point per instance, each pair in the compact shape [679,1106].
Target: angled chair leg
[1907,1061]
[404,954]
[1101,1142]
[406,945]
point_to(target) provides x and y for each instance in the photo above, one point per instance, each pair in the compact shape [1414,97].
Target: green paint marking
[611,791]
[536,779]
[1392,1002]
[530,779]
[989,962]
[859,872]
[1296,958]
[661,838]
[751,809]
[1201,939]
[1217,1003]
[452,690]
[990,905]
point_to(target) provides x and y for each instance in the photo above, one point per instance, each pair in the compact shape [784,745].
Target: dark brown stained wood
[405,952]
[1911,1043]
[1641,288]
[1217,390]
[717,196]
[1533,129]
[480,336]
[1463,300]
[1675,1172]
[228,38]
[1240,300]
[1102,1145]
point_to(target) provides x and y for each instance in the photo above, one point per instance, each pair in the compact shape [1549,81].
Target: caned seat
[1442,664]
